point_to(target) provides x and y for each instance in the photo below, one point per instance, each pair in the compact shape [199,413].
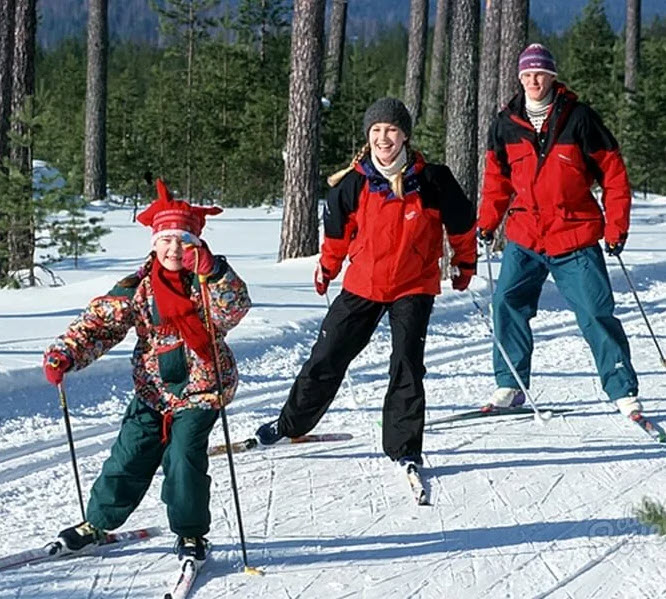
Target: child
[386,213]
[176,401]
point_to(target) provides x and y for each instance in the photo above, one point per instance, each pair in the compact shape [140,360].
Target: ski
[189,568]
[56,549]
[188,574]
[653,429]
[253,443]
[416,485]
[491,411]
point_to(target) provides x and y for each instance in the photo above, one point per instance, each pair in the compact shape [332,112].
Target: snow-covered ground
[519,510]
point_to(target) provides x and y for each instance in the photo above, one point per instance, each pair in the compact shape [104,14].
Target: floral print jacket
[168,376]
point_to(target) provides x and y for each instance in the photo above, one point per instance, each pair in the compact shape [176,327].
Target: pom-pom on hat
[167,216]
[536,57]
[388,110]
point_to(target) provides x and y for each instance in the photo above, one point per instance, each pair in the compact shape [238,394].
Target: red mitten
[198,258]
[322,277]
[56,364]
[460,282]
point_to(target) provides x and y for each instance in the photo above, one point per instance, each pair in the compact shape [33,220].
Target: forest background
[204,101]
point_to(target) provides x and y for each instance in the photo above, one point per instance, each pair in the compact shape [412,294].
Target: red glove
[322,277]
[204,264]
[460,282]
[56,364]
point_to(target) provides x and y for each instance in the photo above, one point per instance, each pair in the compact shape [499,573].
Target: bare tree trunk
[21,240]
[300,235]
[632,49]
[461,129]
[7,8]
[6,57]
[418,33]
[440,50]
[515,15]
[335,49]
[94,186]
[188,126]
[488,78]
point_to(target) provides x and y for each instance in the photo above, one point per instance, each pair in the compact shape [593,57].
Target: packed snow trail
[517,510]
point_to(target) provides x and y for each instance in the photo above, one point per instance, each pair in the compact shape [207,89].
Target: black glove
[485,236]
[614,249]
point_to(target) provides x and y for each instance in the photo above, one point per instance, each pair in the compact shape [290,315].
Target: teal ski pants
[135,457]
[582,278]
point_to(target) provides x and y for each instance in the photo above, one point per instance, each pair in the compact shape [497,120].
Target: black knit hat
[388,110]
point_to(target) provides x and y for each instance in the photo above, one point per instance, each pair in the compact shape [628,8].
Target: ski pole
[205,296]
[490,272]
[70,440]
[640,307]
[348,378]
[540,417]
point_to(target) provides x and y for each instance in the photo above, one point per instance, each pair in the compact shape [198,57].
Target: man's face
[537,84]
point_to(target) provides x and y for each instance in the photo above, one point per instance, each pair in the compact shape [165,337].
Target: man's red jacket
[544,180]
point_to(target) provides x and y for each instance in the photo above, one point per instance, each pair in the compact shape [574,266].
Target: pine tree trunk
[461,129]
[189,111]
[300,236]
[416,51]
[488,78]
[513,36]
[632,49]
[94,187]
[21,240]
[6,56]
[335,49]
[440,51]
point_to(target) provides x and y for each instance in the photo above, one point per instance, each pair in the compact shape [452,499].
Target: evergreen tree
[71,232]
[643,136]
[186,25]
[61,88]
[261,124]
[588,67]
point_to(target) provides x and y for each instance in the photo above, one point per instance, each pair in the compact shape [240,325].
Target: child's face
[169,252]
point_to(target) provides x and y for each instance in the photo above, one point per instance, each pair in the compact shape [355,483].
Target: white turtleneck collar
[539,105]
[390,171]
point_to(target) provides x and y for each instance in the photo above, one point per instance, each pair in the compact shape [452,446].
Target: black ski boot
[269,433]
[77,537]
[192,548]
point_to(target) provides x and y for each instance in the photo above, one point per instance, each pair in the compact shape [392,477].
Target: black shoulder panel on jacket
[590,131]
[503,131]
[342,201]
[440,190]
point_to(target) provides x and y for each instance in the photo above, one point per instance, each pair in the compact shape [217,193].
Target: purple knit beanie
[536,57]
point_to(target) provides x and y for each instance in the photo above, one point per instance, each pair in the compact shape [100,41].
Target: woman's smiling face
[386,141]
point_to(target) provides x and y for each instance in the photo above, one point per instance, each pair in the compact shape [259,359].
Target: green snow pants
[135,457]
[582,278]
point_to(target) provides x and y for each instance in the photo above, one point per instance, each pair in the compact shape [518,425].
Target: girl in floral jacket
[176,400]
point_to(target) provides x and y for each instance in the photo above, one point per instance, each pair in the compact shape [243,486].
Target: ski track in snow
[519,510]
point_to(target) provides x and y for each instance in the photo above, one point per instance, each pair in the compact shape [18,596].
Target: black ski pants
[345,331]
